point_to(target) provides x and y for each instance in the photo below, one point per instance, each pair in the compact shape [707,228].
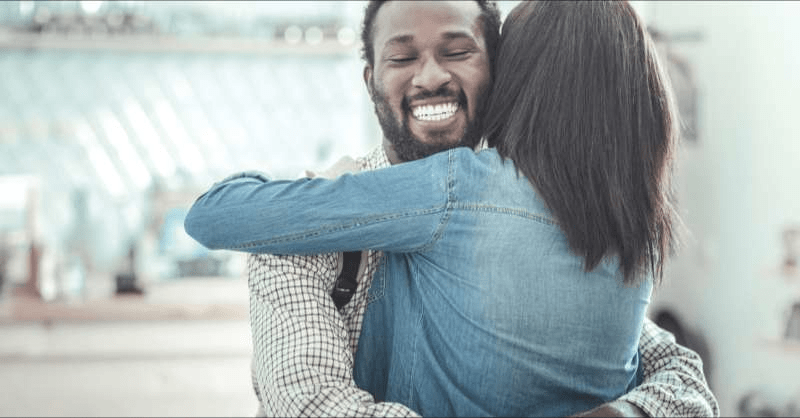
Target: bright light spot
[346,36]
[314,35]
[26,7]
[14,191]
[293,34]
[91,6]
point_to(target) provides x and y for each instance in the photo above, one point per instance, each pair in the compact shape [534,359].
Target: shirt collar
[375,159]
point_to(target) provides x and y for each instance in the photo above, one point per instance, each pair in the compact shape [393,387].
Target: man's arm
[674,384]
[302,357]
[616,408]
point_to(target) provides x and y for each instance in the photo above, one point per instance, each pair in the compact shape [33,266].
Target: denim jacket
[479,308]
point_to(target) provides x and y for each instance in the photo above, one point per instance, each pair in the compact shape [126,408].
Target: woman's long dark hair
[583,108]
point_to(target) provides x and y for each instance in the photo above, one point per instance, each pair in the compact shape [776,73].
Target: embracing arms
[230,216]
[393,209]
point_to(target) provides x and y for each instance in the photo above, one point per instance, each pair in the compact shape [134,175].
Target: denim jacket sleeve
[401,208]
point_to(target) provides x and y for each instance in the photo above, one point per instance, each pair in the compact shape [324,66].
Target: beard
[406,145]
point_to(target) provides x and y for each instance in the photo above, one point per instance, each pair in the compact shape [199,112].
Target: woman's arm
[394,209]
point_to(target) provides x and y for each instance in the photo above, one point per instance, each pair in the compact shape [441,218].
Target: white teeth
[435,112]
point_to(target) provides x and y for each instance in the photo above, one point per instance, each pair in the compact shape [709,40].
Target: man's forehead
[404,21]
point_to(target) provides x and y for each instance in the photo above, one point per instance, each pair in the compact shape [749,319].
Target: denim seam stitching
[510,211]
[336,228]
[416,341]
[371,297]
[448,206]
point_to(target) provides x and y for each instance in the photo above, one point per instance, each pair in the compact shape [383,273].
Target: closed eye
[401,59]
[457,54]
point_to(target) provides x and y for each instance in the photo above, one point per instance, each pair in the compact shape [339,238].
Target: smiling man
[428,77]
[428,69]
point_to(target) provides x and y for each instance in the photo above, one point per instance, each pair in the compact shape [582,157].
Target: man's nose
[430,75]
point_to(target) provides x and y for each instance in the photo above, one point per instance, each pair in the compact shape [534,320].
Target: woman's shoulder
[484,176]
[483,166]
[482,153]
[488,158]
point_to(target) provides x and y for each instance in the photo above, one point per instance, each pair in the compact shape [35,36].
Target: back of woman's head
[582,107]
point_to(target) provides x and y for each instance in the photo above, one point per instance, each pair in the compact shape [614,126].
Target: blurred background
[116,115]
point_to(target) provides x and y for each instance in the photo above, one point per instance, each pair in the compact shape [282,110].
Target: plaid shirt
[303,347]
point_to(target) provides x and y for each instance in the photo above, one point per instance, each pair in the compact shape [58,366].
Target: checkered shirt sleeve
[674,384]
[303,347]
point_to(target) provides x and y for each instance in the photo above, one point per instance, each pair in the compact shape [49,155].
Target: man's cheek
[400,113]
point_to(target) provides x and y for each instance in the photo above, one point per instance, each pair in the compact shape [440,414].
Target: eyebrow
[405,39]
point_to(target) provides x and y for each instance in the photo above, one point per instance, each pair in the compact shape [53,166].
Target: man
[428,70]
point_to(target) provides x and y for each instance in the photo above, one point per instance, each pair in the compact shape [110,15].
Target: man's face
[430,76]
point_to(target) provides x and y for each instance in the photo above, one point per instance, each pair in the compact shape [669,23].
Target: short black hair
[583,108]
[490,21]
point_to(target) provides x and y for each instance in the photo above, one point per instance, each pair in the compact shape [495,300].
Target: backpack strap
[346,282]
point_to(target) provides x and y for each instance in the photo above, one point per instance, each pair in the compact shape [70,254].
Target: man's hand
[614,409]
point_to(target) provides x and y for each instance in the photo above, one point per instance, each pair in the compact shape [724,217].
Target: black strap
[346,283]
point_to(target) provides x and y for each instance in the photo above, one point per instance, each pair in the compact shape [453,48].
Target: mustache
[441,92]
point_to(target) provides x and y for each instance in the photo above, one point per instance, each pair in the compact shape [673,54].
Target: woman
[518,276]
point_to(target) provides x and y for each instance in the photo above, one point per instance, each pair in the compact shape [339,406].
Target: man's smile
[433,113]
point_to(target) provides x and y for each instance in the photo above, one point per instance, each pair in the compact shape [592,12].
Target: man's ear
[368,78]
